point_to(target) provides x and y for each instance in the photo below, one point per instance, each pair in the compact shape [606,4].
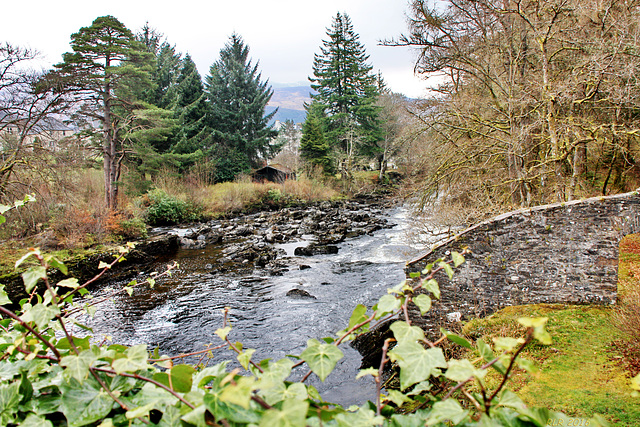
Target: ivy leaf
[34,420]
[416,363]
[402,331]
[488,355]
[387,304]
[446,410]
[364,417]
[292,414]
[397,397]
[9,400]
[4,298]
[182,377]
[245,357]
[151,394]
[32,252]
[40,314]
[538,416]
[538,324]
[457,258]
[419,388]
[32,275]
[527,365]
[321,358]
[223,332]
[281,393]
[78,365]
[456,339]
[71,282]
[275,373]
[461,370]
[423,302]
[84,403]
[511,400]
[358,316]
[140,411]
[26,389]
[447,269]
[240,392]
[432,286]
[506,343]
[102,265]
[368,371]
[54,262]
[179,378]
[204,376]
[135,359]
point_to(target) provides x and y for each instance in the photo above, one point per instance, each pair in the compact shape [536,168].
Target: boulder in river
[315,250]
[300,293]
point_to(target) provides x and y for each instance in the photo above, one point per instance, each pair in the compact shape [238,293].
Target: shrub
[77,227]
[123,227]
[169,210]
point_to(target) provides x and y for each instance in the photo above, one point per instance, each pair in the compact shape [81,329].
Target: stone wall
[560,253]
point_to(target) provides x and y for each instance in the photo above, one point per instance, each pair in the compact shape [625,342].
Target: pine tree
[107,67]
[314,147]
[237,100]
[348,91]
[191,110]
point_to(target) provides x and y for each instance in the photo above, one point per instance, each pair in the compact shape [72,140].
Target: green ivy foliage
[51,377]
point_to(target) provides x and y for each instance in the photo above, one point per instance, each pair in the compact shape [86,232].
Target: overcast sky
[282,34]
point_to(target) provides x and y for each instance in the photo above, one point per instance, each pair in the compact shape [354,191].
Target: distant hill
[284,114]
[290,101]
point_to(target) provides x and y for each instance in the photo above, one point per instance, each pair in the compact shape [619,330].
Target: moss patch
[585,371]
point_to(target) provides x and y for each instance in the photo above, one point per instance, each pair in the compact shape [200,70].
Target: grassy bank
[588,367]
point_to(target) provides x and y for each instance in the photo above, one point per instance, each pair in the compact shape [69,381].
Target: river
[182,313]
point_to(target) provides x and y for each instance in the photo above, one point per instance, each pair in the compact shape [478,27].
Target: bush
[77,227]
[168,210]
[122,227]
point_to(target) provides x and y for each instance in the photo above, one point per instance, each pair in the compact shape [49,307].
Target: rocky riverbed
[261,240]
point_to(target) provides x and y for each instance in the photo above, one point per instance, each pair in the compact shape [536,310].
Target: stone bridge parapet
[558,253]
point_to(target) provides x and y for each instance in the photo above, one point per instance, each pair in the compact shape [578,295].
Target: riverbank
[254,240]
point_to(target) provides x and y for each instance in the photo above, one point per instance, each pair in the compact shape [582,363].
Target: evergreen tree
[165,76]
[104,71]
[191,110]
[348,91]
[237,100]
[314,147]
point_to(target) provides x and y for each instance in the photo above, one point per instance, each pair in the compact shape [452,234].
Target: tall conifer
[237,100]
[347,90]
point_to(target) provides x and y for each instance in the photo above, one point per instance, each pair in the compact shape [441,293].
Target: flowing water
[181,314]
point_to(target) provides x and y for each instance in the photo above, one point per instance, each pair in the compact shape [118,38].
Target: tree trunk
[109,149]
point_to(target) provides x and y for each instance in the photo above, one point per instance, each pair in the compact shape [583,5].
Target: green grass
[582,372]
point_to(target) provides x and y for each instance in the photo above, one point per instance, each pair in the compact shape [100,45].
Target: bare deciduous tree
[540,97]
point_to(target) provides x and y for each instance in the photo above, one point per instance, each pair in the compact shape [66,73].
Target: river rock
[300,293]
[314,249]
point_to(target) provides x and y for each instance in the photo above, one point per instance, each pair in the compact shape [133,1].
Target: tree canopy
[107,67]
[237,98]
[347,91]
[539,99]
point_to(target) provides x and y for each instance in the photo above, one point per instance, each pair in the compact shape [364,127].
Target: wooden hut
[273,173]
